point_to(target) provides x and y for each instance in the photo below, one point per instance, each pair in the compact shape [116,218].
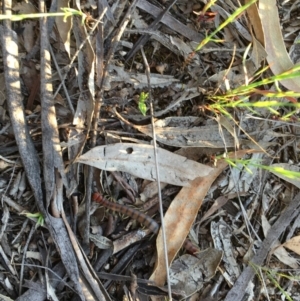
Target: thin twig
[99,66]
[68,67]
[24,256]
[158,177]
[102,70]
[62,81]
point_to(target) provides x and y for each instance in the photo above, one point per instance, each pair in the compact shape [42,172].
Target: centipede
[141,217]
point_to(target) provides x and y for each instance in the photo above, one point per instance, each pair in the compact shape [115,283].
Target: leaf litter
[82,124]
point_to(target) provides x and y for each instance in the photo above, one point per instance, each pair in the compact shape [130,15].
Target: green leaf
[142,99]
[143,108]
[38,215]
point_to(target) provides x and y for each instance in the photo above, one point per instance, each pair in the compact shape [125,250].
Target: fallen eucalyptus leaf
[138,80]
[138,160]
[181,132]
[181,215]
[278,57]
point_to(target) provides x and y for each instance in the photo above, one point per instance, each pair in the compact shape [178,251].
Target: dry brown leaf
[180,132]
[24,8]
[279,251]
[180,217]
[255,21]
[293,244]
[229,126]
[64,25]
[31,80]
[29,35]
[219,203]
[258,53]
[278,57]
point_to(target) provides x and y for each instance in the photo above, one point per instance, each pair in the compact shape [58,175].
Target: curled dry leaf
[138,160]
[24,7]
[258,53]
[253,16]
[64,25]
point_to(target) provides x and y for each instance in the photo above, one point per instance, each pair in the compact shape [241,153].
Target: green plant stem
[67,12]
[230,19]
